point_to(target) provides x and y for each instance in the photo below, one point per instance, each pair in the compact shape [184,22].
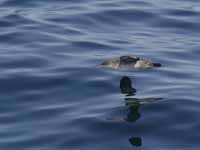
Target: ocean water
[54,96]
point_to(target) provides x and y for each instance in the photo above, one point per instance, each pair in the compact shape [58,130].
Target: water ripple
[53,94]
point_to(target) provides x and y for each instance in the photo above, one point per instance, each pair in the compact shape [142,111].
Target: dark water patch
[17,3]
[27,62]
[120,42]
[5,23]
[108,5]
[22,81]
[11,3]
[176,25]
[138,3]
[15,36]
[181,12]
[44,27]
[23,38]
[16,19]
[121,15]
[92,45]
[81,22]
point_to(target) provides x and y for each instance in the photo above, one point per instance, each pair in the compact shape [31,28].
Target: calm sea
[54,96]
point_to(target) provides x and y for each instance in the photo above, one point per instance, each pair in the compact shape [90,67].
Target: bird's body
[130,62]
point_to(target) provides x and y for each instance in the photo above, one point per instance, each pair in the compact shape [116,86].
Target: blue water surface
[54,96]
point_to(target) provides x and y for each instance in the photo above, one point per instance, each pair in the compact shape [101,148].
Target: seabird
[129,62]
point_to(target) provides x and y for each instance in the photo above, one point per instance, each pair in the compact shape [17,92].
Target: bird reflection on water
[126,86]
[133,106]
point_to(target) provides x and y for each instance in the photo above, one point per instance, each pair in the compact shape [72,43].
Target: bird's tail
[157,65]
